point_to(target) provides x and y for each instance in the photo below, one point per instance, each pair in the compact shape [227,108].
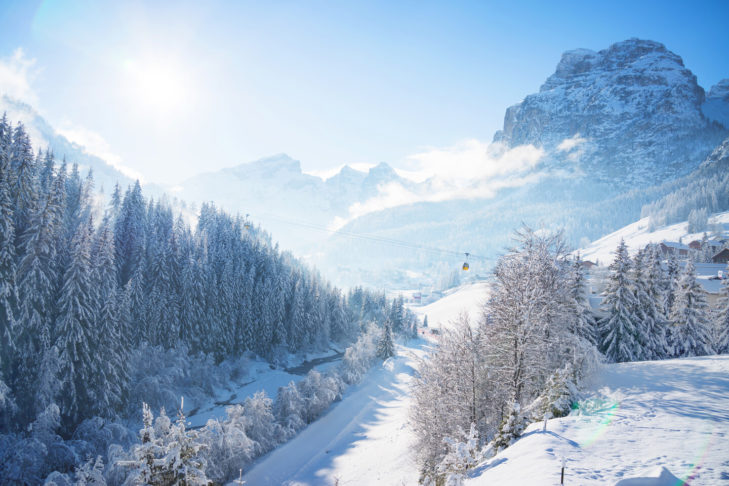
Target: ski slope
[637,419]
[466,299]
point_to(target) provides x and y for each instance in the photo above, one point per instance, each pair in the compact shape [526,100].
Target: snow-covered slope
[466,299]
[365,438]
[43,136]
[637,235]
[635,419]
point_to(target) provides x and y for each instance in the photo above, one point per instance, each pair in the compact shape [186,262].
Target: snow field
[636,418]
[468,299]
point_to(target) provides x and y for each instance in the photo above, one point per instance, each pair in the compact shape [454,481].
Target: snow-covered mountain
[43,135]
[716,106]
[627,115]
[619,129]
[294,206]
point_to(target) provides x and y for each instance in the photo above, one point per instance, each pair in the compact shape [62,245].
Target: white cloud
[570,143]
[470,169]
[573,146]
[94,144]
[17,73]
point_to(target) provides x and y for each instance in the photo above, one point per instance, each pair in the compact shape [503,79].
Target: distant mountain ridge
[276,190]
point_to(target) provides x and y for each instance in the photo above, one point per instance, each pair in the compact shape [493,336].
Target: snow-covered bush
[461,456]
[160,376]
[228,448]
[168,454]
[360,356]
[318,391]
[511,429]
[288,409]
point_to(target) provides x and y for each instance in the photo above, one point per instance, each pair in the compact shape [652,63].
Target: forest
[107,303]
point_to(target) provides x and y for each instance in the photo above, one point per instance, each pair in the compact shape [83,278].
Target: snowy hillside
[466,299]
[43,136]
[637,236]
[635,419]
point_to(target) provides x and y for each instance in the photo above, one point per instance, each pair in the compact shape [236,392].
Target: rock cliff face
[630,115]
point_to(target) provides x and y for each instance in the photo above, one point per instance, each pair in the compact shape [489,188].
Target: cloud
[470,169]
[94,144]
[17,73]
[573,146]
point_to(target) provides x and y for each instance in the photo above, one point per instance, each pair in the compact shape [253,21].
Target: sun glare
[159,86]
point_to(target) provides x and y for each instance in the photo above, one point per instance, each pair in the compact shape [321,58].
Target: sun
[158,85]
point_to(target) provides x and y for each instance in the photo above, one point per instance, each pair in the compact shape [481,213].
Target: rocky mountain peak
[635,104]
[720,91]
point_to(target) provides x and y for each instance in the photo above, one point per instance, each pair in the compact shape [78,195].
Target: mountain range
[616,133]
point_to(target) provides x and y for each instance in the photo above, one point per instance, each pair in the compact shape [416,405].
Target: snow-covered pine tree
[76,337]
[461,457]
[655,283]
[511,429]
[619,330]
[386,346]
[110,377]
[722,317]
[36,289]
[582,322]
[8,288]
[671,283]
[689,328]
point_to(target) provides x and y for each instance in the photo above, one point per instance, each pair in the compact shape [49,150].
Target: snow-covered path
[639,417]
[364,439]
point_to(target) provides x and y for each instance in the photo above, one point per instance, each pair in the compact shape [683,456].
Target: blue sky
[177,88]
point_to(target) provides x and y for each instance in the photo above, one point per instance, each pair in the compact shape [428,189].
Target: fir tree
[583,321]
[76,336]
[511,429]
[689,334]
[386,346]
[619,330]
[722,317]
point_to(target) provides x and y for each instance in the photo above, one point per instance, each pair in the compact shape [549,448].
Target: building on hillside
[673,248]
[709,276]
[587,264]
[721,257]
[714,245]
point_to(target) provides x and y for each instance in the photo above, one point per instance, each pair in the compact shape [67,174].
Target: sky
[172,89]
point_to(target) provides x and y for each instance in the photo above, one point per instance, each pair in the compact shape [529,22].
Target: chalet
[673,248]
[587,264]
[721,257]
[708,276]
[713,244]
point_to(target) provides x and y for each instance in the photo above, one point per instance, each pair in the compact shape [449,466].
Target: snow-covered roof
[675,244]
